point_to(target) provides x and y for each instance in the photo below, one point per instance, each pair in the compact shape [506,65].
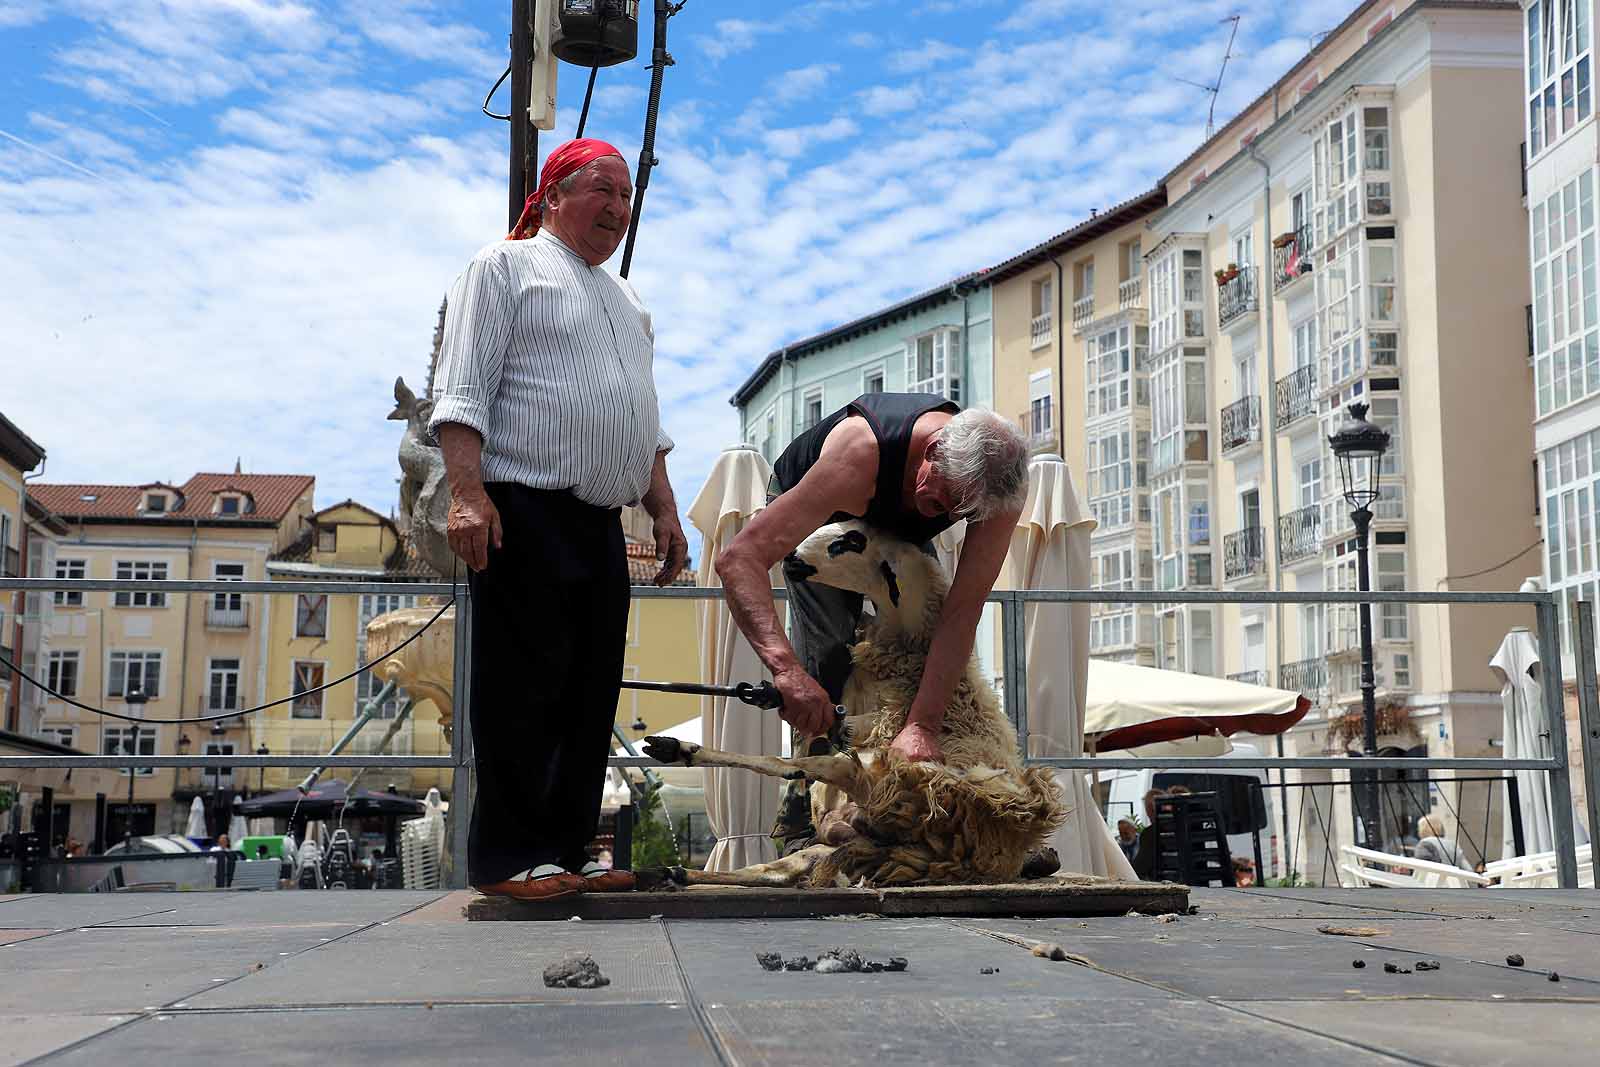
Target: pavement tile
[130,969]
[10,936]
[466,962]
[66,911]
[647,1035]
[1452,1033]
[1008,1029]
[719,959]
[1234,960]
[28,1036]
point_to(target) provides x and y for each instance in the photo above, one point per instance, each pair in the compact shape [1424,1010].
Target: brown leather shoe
[550,887]
[612,881]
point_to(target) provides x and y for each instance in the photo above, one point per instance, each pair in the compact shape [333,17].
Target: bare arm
[473,524]
[982,556]
[672,548]
[842,479]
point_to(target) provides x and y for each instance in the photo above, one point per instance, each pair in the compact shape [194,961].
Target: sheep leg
[836,770]
[785,873]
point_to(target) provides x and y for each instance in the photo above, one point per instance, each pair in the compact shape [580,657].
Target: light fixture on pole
[1358,447]
[217,733]
[261,783]
[134,697]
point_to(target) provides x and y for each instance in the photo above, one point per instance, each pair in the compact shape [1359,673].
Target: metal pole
[1283,802]
[461,785]
[1556,727]
[1019,640]
[660,60]
[521,90]
[1589,725]
[1514,801]
[1369,685]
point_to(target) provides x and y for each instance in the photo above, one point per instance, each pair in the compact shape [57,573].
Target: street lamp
[261,783]
[217,733]
[135,697]
[1358,446]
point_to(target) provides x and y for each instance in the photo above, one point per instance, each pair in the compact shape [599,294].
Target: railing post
[1589,724]
[461,784]
[1555,722]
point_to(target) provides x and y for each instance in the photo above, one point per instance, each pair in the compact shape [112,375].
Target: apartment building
[20,635]
[1072,347]
[1358,225]
[189,654]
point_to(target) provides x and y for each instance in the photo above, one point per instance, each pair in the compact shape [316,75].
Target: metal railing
[1243,554]
[1291,261]
[1237,296]
[1082,312]
[1307,676]
[1300,534]
[1039,329]
[1129,293]
[1240,423]
[1255,677]
[1012,604]
[1296,395]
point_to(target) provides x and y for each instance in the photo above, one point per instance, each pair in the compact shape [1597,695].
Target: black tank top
[891,416]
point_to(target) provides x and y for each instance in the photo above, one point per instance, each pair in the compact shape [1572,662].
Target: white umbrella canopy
[740,805]
[1050,550]
[1134,707]
[237,830]
[1516,664]
[197,820]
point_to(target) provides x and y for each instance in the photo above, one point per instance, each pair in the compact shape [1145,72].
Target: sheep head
[906,585]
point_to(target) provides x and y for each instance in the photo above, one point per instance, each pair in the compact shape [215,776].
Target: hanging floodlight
[597,33]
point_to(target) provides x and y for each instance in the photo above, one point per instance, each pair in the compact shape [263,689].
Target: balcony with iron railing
[220,703]
[1130,294]
[1040,329]
[1291,259]
[1082,312]
[1236,296]
[1244,554]
[1300,535]
[11,565]
[1308,677]
[1241,423]
[227,613]
[1256,677]
[1296,395]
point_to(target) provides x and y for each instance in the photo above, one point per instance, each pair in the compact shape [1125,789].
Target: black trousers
[549,624]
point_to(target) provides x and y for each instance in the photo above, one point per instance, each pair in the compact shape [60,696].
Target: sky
[226,225]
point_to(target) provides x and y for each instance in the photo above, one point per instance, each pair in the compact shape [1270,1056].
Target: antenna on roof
[1216,87]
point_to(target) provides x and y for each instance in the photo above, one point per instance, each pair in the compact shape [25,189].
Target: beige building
[1349,236]
[19,630]
[190,654]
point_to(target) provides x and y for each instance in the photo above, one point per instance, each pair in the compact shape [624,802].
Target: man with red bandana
[546,412]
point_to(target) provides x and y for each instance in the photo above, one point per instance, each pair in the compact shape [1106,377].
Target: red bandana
[560,164]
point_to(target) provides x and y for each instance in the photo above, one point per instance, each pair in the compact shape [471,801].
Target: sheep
[974,818]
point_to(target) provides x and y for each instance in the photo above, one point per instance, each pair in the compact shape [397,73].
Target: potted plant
[1227,274]
[1283,240]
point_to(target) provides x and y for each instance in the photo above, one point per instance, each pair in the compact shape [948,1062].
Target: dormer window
[155,503]
[327,539]
[228,505]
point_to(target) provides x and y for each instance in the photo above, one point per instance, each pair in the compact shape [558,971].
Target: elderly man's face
[592,219]
[931,493]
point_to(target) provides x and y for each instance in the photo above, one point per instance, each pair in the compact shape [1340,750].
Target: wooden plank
[1048,896]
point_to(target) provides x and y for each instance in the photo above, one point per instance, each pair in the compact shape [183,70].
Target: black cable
[588,93]
[485,106]
[227,714]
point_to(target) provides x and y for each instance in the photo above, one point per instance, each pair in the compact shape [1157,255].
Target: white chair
[1371,867]
[308,861]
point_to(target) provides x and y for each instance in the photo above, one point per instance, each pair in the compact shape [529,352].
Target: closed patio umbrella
[740,805]
[1516,665]
[197,820]
[1050,550]
[236,827]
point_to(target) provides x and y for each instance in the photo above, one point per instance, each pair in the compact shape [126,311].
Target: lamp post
[261,782]
[1358,446]
[217,732]
[135,697]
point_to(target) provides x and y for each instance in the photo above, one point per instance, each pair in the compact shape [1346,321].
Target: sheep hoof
[658,879]
[794,776]
[670,750]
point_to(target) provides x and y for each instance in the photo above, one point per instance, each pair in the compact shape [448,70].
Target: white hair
[984,458]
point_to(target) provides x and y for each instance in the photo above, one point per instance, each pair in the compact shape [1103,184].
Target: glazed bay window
[142,571]
[1111,477]
[1177,297]
[130,670]
[1178,409]
[1559,89]
[1566,333]
[1380,281]
[1392,621]
[1115,376]
[933,364]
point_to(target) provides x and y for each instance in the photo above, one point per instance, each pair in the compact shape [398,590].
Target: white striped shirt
[549,359]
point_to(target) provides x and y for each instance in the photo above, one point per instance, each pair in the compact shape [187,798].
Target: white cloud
[408,31]
[881,100]
[923,57]
[15,14]
[731,36]
[802,83]
[788,143]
